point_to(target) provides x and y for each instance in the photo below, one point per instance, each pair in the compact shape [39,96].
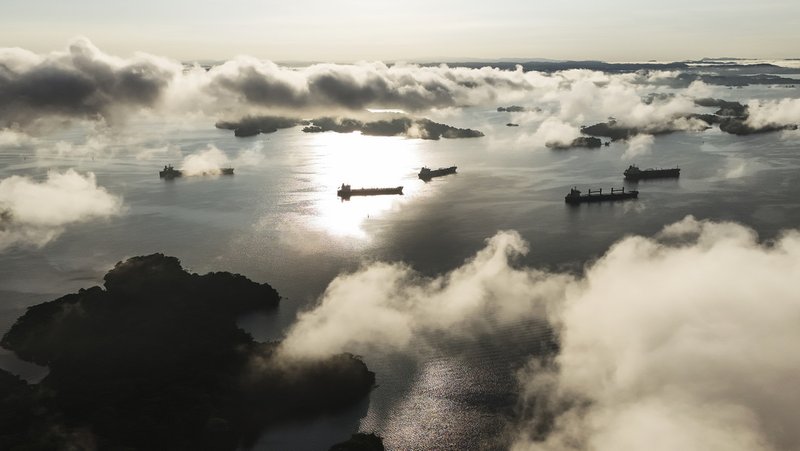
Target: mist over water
[278,220]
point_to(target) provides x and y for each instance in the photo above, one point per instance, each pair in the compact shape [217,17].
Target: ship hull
[591,198]
[653,174]
[176,173]
[369,192]
[170,174]
[427,175]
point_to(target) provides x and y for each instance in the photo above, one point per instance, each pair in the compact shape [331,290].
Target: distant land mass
[155,360]
[731,117]
[397,126]
[555,65]
[254,125]
[723,74]
[413,128]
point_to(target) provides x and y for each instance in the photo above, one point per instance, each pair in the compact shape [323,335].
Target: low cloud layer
[211,161]
[38,92]
[34,213]
[774,113]
[685,341]
[80,83]
[681,341]
[85,83]
[388,306]
[553,132]
[637,146]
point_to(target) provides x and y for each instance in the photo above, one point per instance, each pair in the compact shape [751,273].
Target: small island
[398,126]
[154,359]
[511,109]
[731,117]
[581,141]
[388,126]
[254,125]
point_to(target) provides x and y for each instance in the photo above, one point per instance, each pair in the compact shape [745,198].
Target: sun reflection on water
[362,162]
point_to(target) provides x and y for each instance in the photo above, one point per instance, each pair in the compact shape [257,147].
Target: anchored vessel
[345,191]
[575,196]
[170,173]
[634,173]
[427,173]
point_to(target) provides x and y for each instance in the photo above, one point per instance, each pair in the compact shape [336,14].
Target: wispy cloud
[34,213]
[391,307]
[676,342]
[82,82]
[638,145]
[773,113]
[211,160]
[672,342]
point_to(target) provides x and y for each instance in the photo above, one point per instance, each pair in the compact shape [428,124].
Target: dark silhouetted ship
[170,172]
[634,173]
[345,191]
[575,197]
[427,173]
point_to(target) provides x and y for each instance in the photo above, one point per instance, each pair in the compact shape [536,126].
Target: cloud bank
[85,83]
[34,213]
[685,340]
[82,82]
[638,145]
[784,112]
[388,306]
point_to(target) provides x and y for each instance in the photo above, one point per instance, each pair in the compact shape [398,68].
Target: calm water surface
[278,220]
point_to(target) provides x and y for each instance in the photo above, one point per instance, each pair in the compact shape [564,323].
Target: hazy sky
[347,30]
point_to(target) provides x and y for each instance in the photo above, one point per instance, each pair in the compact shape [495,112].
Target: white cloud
[638,145]
[10,138]
[774,112]
[555,132]
[34,213]
[391,307]
[685,340]
[85,83]
[211,160]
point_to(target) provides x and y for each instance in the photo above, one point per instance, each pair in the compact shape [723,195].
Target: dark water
[278,220]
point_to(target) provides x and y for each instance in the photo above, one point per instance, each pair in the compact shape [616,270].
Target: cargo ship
[575,197]
[170,172]
[345,191]
[427,173]
[634,173]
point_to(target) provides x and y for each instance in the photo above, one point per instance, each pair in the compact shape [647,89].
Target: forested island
[392,126]
[154,359]
[731,117]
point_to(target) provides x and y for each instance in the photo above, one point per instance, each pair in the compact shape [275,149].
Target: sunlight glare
[363,162]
